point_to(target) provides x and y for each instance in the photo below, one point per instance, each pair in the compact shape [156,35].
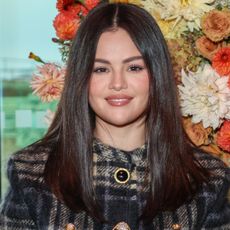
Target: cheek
[142,85]
[94,87]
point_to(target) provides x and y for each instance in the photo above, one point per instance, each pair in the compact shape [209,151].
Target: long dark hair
[175,174]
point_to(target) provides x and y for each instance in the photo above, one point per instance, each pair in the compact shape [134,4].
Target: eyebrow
[124,61]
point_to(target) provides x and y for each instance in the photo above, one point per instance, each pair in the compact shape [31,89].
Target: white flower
[205,96]
[180,11]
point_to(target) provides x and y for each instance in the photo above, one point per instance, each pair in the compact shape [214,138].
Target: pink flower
[48,82]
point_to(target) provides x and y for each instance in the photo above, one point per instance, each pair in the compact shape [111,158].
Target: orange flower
[206,47]
[77,9]
[81,7]
[196,132]
[90,4]
[223,136]
[63,4]
[216,25]
[221,61]
[66,25]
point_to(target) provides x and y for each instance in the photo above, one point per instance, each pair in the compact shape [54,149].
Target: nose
[118,81]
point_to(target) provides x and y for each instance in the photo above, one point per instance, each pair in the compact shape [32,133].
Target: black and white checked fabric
[29,204]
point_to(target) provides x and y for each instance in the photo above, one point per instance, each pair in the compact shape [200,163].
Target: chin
[122,122]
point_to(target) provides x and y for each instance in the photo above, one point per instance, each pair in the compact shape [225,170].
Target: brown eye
[100,70]
[135,68]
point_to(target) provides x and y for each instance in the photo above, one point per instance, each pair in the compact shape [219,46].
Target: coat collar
[135,156]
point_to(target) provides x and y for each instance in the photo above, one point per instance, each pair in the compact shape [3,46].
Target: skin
[118,91]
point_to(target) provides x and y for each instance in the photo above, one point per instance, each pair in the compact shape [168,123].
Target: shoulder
[218,183]
[213,199]
[32,153]
[219,179]
[27,195]
[214,165]
[28,164]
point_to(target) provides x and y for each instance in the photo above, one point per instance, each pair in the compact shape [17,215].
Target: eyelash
[100,70]
[135,68]
[132,68]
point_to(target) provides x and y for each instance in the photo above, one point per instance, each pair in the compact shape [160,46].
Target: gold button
[70,227]
[122,226]
[122,175]
[176,227]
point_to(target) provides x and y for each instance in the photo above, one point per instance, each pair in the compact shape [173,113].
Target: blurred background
[25,26]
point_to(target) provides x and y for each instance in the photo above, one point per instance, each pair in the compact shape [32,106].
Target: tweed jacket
[29,203]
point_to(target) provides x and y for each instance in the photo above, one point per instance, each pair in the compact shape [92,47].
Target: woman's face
[119,85]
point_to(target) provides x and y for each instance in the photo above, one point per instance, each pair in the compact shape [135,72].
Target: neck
[127,137]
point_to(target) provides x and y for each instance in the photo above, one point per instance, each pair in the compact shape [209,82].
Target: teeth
[118,100]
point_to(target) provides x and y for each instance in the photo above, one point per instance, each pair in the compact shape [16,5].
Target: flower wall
[198,37]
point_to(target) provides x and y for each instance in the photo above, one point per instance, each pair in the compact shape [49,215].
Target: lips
[118,100]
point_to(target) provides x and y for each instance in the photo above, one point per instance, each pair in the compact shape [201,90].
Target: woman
[116,156]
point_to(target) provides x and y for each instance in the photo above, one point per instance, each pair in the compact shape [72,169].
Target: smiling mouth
[118,100]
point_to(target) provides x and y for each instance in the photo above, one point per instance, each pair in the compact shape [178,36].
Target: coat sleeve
[217,200]
[14,213]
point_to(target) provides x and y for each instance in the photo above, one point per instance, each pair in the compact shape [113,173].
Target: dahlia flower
[221,61]
[66,24]
[205,96]
[90,4]
[167,26]
[63,4]
[189,11]
[48,82]
[77,10]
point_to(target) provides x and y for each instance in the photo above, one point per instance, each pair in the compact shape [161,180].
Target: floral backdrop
[198,37]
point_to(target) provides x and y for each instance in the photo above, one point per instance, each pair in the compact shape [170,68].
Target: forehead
[116,43]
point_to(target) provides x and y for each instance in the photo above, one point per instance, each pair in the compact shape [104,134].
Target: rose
[206,47]
[216,24]
[196,132]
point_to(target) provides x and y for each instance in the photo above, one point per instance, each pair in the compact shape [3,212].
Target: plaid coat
[29,204]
